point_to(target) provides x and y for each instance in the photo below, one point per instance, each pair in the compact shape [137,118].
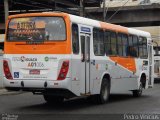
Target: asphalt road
[27,105]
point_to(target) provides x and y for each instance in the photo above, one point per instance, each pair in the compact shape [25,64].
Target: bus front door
[85,63]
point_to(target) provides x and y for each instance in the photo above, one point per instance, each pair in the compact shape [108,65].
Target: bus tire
[138,93]
[103,97]
[53,99]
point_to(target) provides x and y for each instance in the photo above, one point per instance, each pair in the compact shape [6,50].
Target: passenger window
[98,42]
[75,39]
[120,44]
[132,46]
[107,42]
[125,44]
[113,50]
[110,43]
[130,40]
[143,47]
[135,45]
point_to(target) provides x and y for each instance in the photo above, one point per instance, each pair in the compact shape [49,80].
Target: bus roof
[139,32]
[99,24]
[108,26]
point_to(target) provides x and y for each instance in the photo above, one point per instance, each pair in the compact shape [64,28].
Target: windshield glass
[36,29]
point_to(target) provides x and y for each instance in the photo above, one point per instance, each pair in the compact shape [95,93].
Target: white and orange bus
[62,56]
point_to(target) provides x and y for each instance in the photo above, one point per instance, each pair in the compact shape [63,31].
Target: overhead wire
[116,3]
[111,3]
[39,3]
[41,8]
[118,10]
[29,5]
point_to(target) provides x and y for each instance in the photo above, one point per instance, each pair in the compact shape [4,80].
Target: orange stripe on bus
[116,28]
[128,63]
[56,47]
[46,48]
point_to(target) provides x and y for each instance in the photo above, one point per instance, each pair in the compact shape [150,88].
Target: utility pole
[6,9]
[82,7]
[55,6]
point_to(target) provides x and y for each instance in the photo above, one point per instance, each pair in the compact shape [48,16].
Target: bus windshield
[37,29]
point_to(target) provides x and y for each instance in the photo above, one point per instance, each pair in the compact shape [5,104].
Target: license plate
[34,72]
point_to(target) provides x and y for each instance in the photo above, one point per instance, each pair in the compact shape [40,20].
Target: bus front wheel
[103,97]
[138,93]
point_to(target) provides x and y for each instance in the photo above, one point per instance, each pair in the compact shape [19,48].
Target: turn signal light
[64,70]
[7,70]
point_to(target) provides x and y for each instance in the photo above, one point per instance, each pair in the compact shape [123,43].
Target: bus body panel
[123,78]
[47,66]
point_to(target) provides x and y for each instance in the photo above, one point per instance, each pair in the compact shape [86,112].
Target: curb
[6,92]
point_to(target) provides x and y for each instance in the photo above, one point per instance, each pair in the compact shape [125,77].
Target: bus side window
[143,47]
[120,44]
[98,42]
[129,47]
[125,44]
[75,39]
[145,52]
[135,45]
[113,49]
[132,49]
[107,42]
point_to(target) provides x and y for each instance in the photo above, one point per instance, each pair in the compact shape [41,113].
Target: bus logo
[50,59]
[46,59]
[23,59]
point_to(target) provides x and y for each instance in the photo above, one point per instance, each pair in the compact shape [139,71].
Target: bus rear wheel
[138,93]
[53,99]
